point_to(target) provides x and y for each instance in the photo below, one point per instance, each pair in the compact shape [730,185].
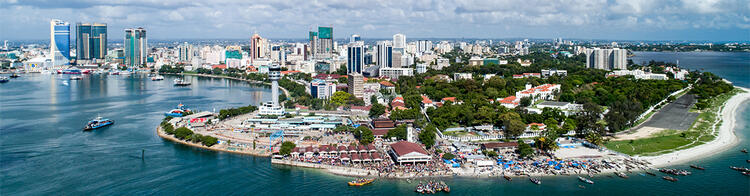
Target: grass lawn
[668,140]
[671,140]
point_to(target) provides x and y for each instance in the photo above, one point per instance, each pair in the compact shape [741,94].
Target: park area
[661,137]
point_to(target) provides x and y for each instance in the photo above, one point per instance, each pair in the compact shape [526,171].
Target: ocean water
[44,152]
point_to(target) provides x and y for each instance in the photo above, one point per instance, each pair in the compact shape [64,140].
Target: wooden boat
[697,167]
[508,178]
[535,181]
[361,182]
[669,178]
[582,179]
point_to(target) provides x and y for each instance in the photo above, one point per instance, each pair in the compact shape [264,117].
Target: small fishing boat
[697,167]
[742,169]
[581,186]
[361,182]
[157,78]
[14,75]
[76,78]
[535,181]
[508,178]
[4,79]
[98,122]
[744,150]
[650,173]
[746,173]
[114,73]
[582,179]
[748,161]
[622,175]
[180,82]
[669,178]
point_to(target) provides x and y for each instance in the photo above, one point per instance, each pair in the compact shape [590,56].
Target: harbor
[192,155]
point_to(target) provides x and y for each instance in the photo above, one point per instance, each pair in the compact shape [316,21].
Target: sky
[710,20]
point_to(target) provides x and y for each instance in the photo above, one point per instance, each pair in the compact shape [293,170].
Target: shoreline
[725,139]
[217,147]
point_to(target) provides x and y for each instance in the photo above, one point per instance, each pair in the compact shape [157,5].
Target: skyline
[721,20]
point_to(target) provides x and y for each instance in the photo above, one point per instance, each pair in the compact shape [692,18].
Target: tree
[377,110]
[526,101]
[427,136]
[448,156]
[524,150]
[182,133]
[340,98]
[490,153]
[365,135]
[209,141]
[594,138]
[398,132]
[287,148]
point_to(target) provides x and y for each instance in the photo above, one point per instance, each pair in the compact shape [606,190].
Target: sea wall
[217,147]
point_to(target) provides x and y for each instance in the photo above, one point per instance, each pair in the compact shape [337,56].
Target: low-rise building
[396,72]
[462,76]
[404,152]
[322,89]
[500,146]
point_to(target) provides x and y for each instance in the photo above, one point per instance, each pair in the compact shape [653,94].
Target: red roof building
[408,152]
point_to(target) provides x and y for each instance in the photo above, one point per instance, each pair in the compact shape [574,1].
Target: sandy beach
[724,140]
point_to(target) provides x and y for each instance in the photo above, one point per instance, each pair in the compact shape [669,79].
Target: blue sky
[713,20]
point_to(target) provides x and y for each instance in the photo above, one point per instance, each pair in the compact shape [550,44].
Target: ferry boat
[72,71]
[582,179]
[98,122]
[4,79]
[177,112]
[76,78]
[361,182]
[180,82]
[157,78]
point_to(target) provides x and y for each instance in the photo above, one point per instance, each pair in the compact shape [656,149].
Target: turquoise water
[44,152]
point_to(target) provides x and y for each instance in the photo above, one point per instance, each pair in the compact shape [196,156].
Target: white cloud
[420,18]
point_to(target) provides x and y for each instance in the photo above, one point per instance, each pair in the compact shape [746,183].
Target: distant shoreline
[725,139]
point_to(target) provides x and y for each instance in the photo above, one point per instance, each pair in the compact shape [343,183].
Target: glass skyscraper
[136,47]
[91,41]
[59,42]
[355,58]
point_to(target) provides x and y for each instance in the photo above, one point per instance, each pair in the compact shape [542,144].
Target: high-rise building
[257,47]
[136,47]
[399,41]
[325,41]
[385,54]
[355,38]
[59,44]
[356,85]
[91,41]
[607,59]
[355,58]
[396,59]
[313,38]
[186,52]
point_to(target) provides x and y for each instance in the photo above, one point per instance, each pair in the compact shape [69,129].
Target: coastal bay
[61,158]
